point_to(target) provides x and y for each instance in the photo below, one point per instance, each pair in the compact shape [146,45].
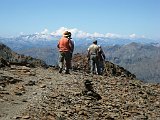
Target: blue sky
[124,17]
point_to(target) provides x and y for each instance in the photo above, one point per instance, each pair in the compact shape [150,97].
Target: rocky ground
[44,94]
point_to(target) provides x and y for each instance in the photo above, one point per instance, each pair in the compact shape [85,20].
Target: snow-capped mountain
[49,39]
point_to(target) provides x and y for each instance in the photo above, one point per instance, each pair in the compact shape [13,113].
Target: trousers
[94,64]
[65,57]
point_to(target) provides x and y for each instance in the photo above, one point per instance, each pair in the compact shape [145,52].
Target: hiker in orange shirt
[65,47]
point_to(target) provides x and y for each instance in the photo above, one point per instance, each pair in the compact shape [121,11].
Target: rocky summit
[44,94]
[41,93]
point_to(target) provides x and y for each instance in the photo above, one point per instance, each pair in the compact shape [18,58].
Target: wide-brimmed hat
[67,34]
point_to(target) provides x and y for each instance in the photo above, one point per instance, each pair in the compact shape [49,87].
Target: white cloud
[59,32]
[133,36]
[45,31]
[76,33]
[43,35]
[97,35]
[81,34]
[111,35]
[21,33]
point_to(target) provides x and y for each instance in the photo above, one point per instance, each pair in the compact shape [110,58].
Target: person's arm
[70,45]
[104,57]
[88,53]
[73,45]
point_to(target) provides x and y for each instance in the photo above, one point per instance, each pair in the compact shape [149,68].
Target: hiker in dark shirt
[101,59]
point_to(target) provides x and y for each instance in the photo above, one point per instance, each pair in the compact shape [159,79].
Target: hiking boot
[67,72]
[60,70]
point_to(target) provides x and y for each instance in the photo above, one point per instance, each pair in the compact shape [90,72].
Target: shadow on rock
[89,91]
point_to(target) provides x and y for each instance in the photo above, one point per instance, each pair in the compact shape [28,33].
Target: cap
[95,41]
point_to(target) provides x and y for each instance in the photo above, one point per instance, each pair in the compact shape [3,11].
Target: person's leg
[92,62]
[68,62]
[97,66]
[61,61]
[100,67]
[103,68]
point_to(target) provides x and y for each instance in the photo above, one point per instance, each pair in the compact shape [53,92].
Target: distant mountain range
[9,57]
[46,40]
[143,60]
[141,56]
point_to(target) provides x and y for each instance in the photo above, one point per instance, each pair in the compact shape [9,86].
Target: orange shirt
[64,44]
